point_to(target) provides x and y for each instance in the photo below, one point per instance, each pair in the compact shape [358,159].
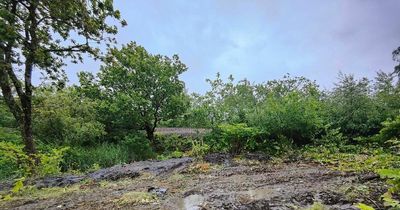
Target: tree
[351,107]
[396,57]
[145,85]
[40,35]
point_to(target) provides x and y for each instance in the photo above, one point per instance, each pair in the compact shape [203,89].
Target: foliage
[332,137]
[13,157]
[234,138]
[393,176]
[50,163]
[199,149]
[13,160]
[390,130]
[105,155]
[145,85]
[294,116]
[137,147]
[6,120]
[362,206]
[353,108]
[58,120]
[18,185]
[41,35]
[173,142]
[355,159]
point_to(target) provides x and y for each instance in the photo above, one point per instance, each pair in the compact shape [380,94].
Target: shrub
[50,163]
[295,116]
[170,143]
[199,148]
[105,155]
[133,147]
[58,120]
[137,147]
[390,130]
[14,161]
[234,138]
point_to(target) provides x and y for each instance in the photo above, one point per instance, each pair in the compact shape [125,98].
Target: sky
[263,39]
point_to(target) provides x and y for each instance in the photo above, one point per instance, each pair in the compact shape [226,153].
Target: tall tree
[146,86]
[396,57]
[40,35]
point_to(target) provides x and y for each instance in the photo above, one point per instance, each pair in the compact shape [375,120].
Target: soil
[222,183]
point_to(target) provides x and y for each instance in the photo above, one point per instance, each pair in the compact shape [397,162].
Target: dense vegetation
[111,117]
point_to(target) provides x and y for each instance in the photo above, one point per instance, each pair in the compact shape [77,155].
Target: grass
[135,198]
[33,193]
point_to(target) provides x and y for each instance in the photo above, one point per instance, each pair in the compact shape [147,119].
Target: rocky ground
[218,182]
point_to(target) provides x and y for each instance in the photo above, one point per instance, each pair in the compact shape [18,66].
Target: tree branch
[75,48]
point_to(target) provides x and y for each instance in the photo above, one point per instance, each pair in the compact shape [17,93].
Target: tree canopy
[41,35]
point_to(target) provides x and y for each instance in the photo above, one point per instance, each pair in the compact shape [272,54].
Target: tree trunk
[26,128]
[26,100]
[150,134]
[22,111]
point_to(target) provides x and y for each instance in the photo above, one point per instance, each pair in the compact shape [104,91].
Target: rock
[113,173]
[368,177]
[256,205]
[218,158]
[304,199]
[59,181]
[6,185]
[256,156]
[134,169]
[160,192]
[331,198]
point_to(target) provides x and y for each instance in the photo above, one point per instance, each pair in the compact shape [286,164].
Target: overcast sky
[263,40]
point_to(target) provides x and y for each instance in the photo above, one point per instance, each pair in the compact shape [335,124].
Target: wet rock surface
[241,185]
[218,158]
[134,169]
[114,173]
[58,181]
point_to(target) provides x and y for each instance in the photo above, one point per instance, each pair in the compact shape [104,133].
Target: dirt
[187,184]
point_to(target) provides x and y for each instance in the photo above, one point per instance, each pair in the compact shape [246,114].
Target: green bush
[50,163]
[83,158]
[292,115]
[59,120]
[390,130]
[234,138]
[199,148]
[331,137]
[15,163]
[132,148]
[137,147]
[170,143]
[13,160]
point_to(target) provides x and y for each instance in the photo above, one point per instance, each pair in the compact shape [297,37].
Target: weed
[136,198]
